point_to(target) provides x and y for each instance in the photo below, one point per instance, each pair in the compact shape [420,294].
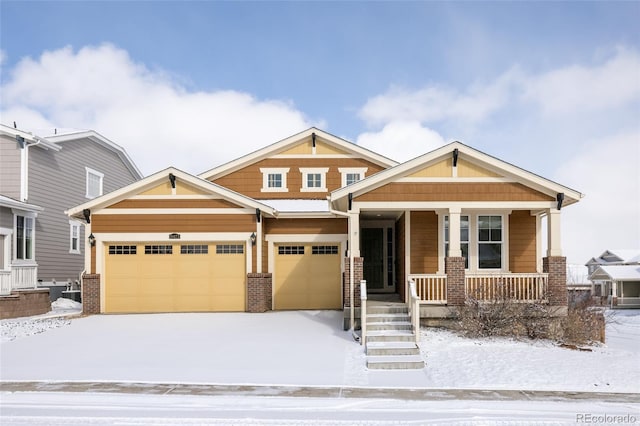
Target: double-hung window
[464,238]
[24,237]
[274,179]
[314,179]
[94,182]
[74,237]
[490,242]
[482,241]
[352,174]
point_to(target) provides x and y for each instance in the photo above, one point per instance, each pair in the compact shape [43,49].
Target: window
[314,179]
[123,249]
[489,242]
[74,237]
[94,183]
[274,180]
[194,249]
[158,249]
[324,249]
[24,237]
[229,249]
[464,238]
[352,174]
[291,250]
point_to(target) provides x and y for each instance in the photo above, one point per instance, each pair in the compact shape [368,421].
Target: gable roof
[29,137]
[617,273]
[291,141]
[163,175]
[100,140]
[465,152]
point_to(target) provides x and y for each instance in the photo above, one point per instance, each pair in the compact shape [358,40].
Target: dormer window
[314,179]
[274,180]
[352,175]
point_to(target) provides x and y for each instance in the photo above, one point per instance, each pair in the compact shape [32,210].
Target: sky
[552,87]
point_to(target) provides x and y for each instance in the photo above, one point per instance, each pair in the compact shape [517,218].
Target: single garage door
[307,276]
[161,277]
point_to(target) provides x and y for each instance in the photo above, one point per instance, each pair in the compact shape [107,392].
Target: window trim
[24,260]
[266,171]
[6,242]
[89,171]
[74,224]
[467,241]
[344,171]
[501,242]
[306,171]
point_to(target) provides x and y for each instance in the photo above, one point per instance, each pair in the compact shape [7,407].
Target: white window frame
[73,224]
[7,235]
[89,172]
[462,242]
[266,171]
[24,260]
[502,242]
[306,171]
[344,171]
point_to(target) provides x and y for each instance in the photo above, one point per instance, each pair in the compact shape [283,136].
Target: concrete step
[387,309]
[401,362]
[395,325]
[390,336]
[391,348]
[387,318]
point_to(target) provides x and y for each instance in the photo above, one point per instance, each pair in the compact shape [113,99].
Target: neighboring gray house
[40,178]
[615,277]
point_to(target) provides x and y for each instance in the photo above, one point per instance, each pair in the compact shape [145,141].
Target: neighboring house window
[490,242]
[94,183]
[24,237]
[74,237]
[352,174]
[274,180]
[464,238]
[314,179]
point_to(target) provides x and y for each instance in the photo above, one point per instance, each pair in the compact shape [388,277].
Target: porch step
[395,308]
[402,317]
[390,336]
[403,362]
[392,348]
[388,325]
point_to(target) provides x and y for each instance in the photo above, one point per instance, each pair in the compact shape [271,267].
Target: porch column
[454,232]
[556,267]
[554,246]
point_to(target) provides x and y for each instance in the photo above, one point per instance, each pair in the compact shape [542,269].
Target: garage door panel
[192,278]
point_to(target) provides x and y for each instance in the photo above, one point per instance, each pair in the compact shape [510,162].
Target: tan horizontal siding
[128,223]
[476,191]
[522,241]
[424,243]
[171,204]
[248,180]
[306,226]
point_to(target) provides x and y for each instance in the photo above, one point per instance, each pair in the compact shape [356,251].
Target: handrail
[414,310]
[363,311]
[430,288]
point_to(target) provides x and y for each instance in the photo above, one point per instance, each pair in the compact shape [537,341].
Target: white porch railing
[18,278]
[628,301]
[430,288]
[520,287]
[363,311]
[414,310]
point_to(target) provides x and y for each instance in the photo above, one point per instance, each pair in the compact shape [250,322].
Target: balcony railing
[430,288]
[18,278]
[519,287]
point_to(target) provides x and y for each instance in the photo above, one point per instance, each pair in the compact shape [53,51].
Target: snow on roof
[306,206]
[627,256]
[621,272]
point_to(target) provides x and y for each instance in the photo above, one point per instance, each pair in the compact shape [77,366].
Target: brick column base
[91,294]
[454,268]
[357,277]
[259,295]
[556,267]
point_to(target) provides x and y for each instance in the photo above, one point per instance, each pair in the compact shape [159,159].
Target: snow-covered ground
[304,348]
[61,310]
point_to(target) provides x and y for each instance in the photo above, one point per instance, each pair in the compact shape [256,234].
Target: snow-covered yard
[300,348]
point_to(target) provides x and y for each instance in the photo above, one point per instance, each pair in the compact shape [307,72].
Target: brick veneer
[91,294]
[556,267]
[24,303]
[259,295]
[454,268]
[357,277]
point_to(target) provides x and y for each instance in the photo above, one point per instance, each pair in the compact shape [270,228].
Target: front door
[372,250]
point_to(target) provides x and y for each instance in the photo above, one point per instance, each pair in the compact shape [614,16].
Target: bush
[584,323]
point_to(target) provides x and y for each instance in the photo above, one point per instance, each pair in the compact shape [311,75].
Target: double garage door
[162,277]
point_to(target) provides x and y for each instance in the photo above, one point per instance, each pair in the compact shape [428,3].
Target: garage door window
[158,249]
[194,249]
[291,250]
[123,249]
[229,249]
[324,250]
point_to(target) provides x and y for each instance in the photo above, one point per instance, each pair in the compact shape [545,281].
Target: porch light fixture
[92,240]
[253,238]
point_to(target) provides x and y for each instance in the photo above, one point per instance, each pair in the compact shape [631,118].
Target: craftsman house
[615,278]
[300,223]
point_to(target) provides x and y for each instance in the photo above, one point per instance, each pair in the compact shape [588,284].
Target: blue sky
[553,87]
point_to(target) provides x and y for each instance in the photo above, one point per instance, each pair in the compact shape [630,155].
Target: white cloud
[401,140]
[158,121]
